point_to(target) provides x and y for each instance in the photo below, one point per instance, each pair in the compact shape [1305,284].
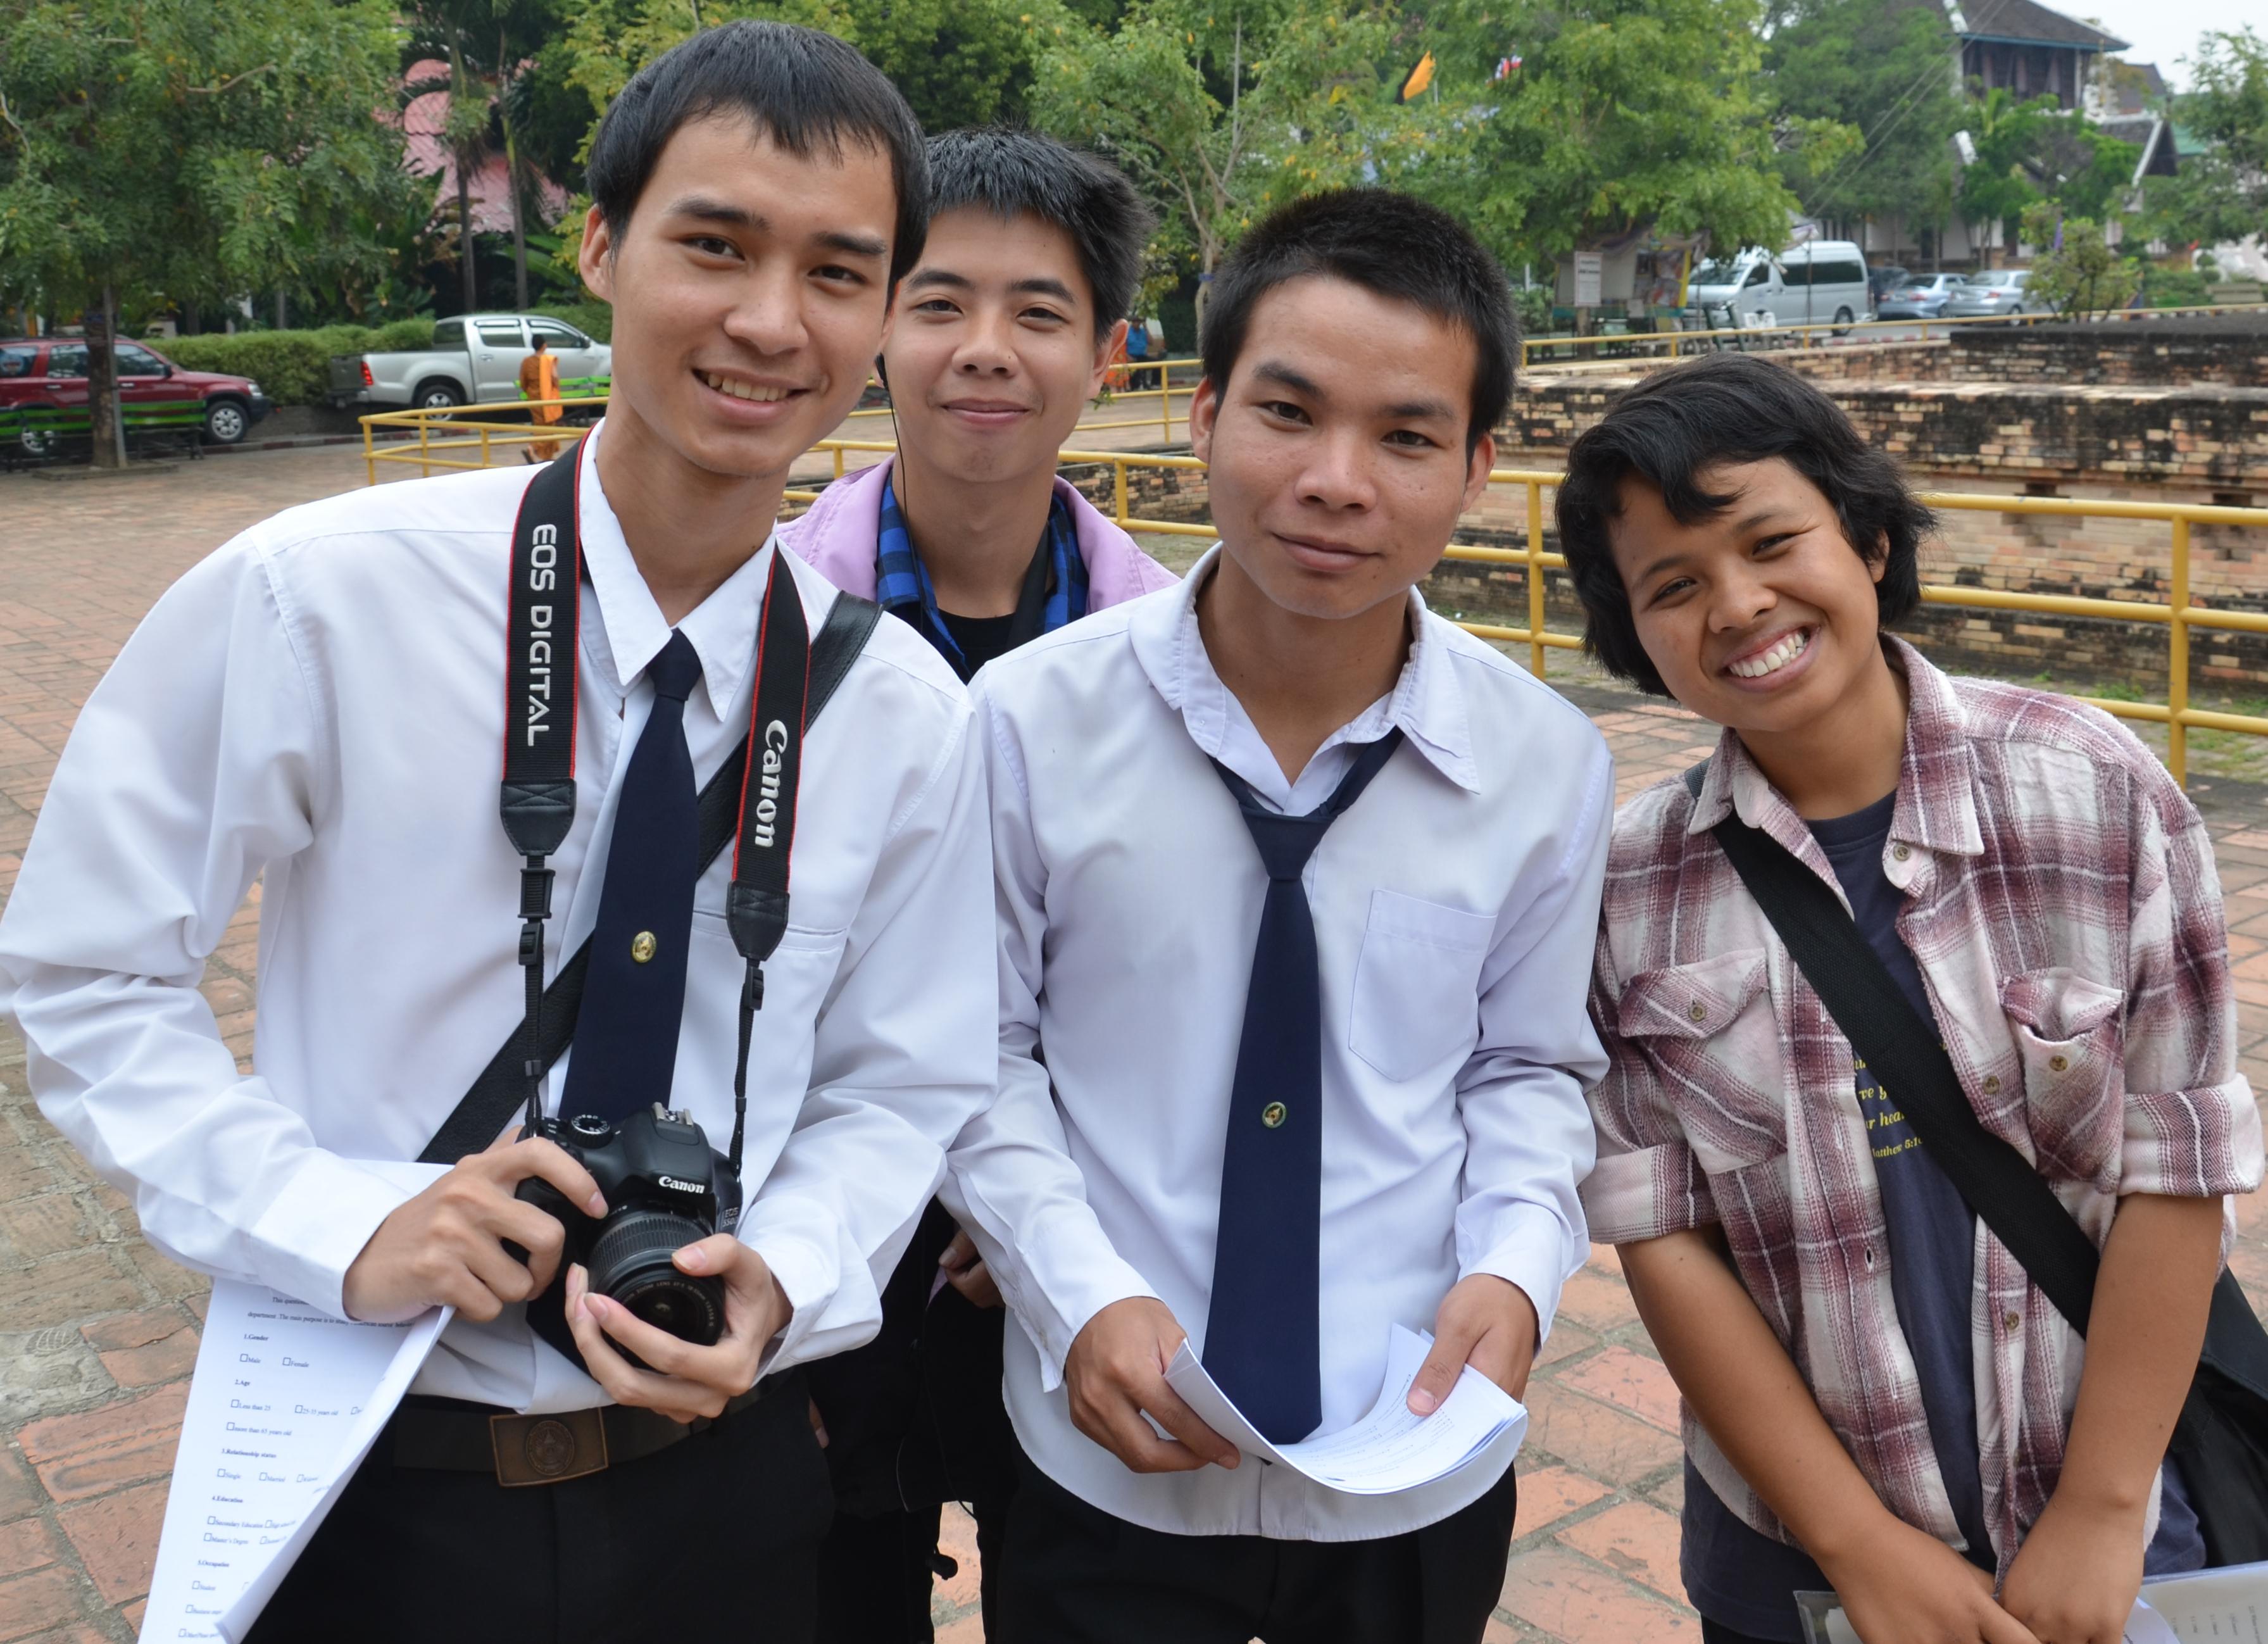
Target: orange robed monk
[539,381]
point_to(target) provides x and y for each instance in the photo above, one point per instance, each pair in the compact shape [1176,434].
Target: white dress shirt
[1455,907]
[322,701]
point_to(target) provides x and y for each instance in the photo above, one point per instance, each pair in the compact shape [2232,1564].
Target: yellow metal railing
[2177,614]
[1807,332]
[467,433]
[1118,388]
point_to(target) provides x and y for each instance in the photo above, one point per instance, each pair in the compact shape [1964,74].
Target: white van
[1821,283]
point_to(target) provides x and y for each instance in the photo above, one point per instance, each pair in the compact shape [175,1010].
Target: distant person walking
[539,381]
[1137,348]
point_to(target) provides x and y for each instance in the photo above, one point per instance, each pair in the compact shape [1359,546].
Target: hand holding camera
[639,1364]
[447,1246]
[668,1310]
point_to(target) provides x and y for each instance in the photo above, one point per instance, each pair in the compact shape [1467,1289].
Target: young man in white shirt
[1279,1104]
[1001,336]
[322,702]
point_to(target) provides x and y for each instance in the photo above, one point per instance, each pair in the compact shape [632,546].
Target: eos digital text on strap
[537,806]
[538,799]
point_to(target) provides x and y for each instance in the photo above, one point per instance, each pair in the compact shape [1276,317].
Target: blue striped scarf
[902,583]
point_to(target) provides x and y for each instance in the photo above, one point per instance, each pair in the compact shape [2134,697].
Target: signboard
[1587,269]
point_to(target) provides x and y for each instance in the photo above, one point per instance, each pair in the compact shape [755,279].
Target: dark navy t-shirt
[1741,1579]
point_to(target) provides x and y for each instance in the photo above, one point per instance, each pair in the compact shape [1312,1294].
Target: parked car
[1885,278]
[474,360]
[44,395]
[1922,298]
[2006,293]
[1820,283]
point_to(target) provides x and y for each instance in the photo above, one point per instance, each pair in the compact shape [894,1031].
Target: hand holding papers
[1389,1450]
[285,1403]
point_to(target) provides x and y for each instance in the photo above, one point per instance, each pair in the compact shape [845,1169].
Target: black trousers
[877,1575]
[1712,1634]
[914,1417]
[716,1537]
[1078,1576]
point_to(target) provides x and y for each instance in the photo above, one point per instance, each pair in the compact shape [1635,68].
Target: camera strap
[749,803]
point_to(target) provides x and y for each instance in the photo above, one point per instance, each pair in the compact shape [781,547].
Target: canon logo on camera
[682,1187]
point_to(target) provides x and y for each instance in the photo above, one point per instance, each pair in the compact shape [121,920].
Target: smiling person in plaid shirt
[1877,1399]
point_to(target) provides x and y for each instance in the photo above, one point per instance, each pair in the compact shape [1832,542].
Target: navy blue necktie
[625,1051]
[1263,1331]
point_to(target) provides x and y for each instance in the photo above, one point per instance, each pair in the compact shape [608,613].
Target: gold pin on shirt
[642,946]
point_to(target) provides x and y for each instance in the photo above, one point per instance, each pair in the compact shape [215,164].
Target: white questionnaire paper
[285,1403]
[1388,1450]
[2228,1606]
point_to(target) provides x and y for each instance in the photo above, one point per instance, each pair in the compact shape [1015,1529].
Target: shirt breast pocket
[2069,1031]
[1710,1033]
[1417,985]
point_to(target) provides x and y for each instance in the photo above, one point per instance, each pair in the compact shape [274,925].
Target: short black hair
[1012,174]
[1389,245]
[808,90]
[1681,422]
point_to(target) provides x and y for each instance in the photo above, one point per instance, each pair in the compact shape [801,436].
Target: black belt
[449,1436]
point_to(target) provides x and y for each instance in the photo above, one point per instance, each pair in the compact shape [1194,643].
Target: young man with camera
[321,705]
[1000,337]
[1295,882]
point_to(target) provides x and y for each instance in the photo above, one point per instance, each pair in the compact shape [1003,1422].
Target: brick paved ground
[98,1333]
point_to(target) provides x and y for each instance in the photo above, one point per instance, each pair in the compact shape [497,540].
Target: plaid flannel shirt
[2062,905]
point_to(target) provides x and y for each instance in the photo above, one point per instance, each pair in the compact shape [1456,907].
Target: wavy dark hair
[1680,422]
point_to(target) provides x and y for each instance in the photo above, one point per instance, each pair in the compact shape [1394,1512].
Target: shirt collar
[1427,701]
[722,630]
[1937,776]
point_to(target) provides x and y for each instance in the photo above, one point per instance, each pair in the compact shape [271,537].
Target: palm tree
[487,45]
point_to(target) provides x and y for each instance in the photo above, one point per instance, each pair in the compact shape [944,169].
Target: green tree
[154,152]
[2086,171]
[2220,192]
[2080,274]
[1882,69]
[1220,112]
[1624,113]
[958,61]
[490,46]
[2001,183]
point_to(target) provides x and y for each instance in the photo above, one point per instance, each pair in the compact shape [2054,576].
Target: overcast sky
[2164,31]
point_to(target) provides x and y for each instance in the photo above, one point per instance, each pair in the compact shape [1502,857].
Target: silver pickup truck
[474,360]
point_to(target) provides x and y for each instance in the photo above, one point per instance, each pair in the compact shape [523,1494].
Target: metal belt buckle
[547,1449]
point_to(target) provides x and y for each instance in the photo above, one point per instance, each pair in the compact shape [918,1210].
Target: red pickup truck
[43,395]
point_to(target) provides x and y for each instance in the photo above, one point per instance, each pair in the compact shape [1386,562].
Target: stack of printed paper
[286,1402]
[1389,1450]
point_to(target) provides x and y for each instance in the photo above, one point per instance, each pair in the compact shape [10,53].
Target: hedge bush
[2174,288]
[293,367]
[593,319]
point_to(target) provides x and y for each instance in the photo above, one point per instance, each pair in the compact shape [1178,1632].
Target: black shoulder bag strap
[2224,1429]
[538,799]
[1908,1056]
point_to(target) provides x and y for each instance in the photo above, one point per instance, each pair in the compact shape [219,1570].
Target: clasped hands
[444,1248]
[1116,1372]
[2073,1581]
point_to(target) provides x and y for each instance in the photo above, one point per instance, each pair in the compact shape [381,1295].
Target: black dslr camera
[665,1188]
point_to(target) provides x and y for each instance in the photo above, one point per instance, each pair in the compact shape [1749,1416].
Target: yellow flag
[1414,83]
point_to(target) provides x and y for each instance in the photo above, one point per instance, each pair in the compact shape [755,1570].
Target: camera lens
[630,1264]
